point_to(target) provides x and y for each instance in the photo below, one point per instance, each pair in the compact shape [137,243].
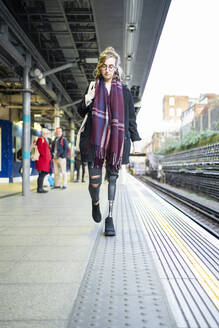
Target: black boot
[96,214]
[42,191]
[109,227]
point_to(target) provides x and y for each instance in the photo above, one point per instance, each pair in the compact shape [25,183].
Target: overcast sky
[186,61]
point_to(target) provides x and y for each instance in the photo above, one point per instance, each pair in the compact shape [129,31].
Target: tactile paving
[186,258]
[120,287]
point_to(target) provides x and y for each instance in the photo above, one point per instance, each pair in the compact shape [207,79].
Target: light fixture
[19,123]
[37,126]
[43,81]
[129,57]
[128,77]
[91,60]
[39,75]
[132,27]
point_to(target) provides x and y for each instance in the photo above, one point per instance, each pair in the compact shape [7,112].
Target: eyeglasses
[110,67]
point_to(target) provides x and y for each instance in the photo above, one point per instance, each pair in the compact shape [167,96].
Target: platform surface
[57,269]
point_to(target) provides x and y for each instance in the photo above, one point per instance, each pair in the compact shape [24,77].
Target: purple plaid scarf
[107,135]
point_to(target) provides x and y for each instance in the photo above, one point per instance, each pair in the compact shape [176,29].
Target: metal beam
[70,48]
[70,35]
[26,42]
[133,16]
[75,91]
[60,68]
[71,104]
[76,12]
[9,47]
[32,107]
[81,29]
[81,22]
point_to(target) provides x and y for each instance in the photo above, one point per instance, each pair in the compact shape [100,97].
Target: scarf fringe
[111,157]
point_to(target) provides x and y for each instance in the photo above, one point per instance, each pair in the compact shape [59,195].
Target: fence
[196,169]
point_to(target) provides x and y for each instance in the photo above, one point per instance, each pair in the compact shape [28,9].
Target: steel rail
[207,211]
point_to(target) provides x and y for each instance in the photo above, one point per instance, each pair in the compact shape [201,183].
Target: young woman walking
[110,125]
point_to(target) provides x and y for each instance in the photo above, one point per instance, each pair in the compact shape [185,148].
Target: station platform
[58,270]
[11,189]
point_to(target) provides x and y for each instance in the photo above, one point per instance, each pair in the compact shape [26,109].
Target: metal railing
[195,157]
[196,169]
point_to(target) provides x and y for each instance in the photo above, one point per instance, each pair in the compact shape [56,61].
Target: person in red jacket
[43,163]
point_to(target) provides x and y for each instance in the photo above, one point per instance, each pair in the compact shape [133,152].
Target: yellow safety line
[205,277]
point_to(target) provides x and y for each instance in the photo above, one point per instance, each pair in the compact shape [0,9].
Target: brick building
[201,115]
[173,107]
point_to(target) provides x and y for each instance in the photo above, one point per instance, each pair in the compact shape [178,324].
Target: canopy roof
[57,32]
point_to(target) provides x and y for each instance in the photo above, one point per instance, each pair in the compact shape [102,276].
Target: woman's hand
[90,93]
[136,147]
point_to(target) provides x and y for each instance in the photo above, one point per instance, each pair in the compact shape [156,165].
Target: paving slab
[45,245]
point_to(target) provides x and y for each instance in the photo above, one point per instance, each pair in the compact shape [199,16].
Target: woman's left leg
[111,176]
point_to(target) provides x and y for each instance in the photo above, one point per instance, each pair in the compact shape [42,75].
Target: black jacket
[130,127]
[62,147]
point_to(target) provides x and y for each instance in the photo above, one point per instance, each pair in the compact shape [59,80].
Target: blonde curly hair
[107,53]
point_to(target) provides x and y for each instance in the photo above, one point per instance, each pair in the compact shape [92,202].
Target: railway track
[205,216]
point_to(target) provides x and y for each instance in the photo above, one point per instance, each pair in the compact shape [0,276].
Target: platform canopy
[74,32]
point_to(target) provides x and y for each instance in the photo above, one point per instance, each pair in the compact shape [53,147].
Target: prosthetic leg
[109,226]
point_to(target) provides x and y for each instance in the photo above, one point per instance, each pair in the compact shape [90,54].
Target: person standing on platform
[78,165]
[43,163]
[59,151]
[83,166]
[110,125]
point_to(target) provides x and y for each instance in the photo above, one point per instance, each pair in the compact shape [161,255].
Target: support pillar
[57,117]
[72,154]
[57,112]
[26,127]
